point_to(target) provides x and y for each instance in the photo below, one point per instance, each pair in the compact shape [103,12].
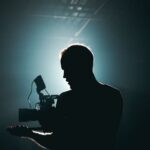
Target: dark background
[32,33]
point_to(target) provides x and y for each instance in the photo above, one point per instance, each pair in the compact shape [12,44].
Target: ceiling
[72,14]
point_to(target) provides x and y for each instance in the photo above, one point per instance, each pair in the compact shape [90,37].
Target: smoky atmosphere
[34,32]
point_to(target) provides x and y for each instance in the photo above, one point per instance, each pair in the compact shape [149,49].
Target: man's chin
[74,86]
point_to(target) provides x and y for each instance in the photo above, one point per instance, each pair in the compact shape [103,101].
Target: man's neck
[87,83]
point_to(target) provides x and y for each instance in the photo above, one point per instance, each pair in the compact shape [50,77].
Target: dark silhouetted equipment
[43,109]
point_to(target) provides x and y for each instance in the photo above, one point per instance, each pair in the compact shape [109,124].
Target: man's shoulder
[65,94]
[64,98]
[113,95]
[101,87]
[109,89]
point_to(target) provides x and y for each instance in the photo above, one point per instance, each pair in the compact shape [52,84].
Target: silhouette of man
[88,115]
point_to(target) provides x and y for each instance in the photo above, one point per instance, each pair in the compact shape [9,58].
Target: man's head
[77,63]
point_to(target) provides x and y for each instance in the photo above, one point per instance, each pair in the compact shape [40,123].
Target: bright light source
[74,2]
[79,8]
[71,7]
[75,14]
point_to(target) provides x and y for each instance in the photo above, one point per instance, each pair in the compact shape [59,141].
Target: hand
[19,130]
